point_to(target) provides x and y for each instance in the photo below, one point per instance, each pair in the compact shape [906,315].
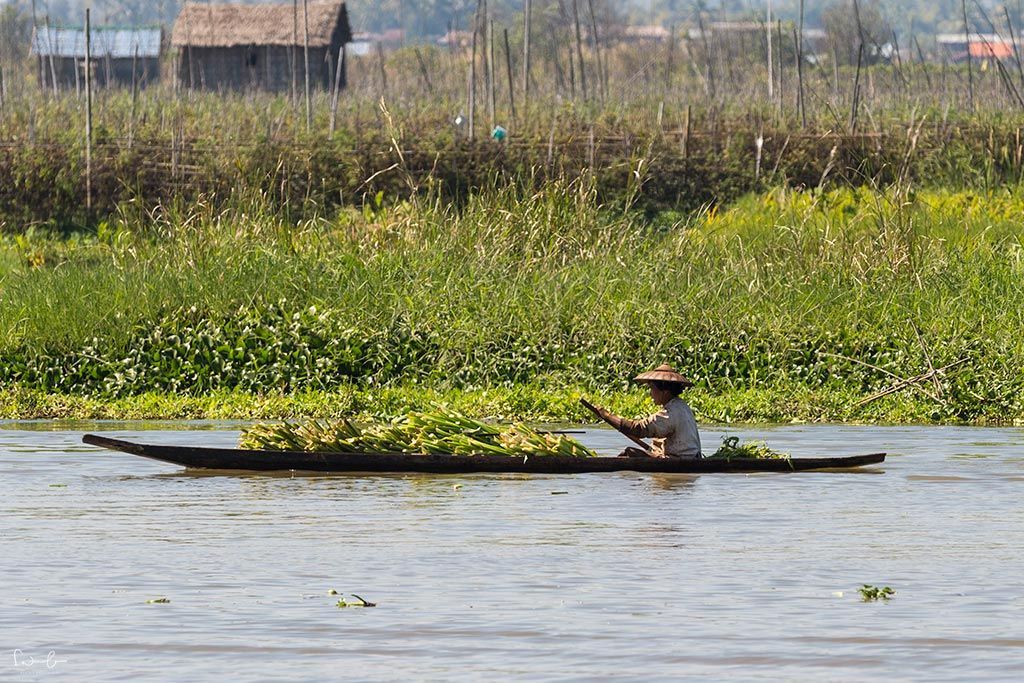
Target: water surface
[614,576]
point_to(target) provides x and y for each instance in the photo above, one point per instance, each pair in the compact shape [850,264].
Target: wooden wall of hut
[259,67]
[106,72]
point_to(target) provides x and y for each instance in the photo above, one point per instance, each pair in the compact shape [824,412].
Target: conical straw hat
[664,373]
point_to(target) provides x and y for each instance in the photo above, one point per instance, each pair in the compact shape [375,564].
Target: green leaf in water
[869,593]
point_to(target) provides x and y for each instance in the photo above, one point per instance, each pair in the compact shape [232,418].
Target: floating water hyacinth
[869,593]
[442,431]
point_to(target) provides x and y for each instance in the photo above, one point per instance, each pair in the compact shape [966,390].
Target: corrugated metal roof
[954,38]
[117,43]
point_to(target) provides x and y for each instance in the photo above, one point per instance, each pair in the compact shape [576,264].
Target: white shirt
[673,428]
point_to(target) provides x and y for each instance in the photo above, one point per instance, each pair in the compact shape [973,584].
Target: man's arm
[656,425]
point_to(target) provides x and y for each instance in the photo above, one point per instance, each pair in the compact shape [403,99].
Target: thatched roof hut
[261,46]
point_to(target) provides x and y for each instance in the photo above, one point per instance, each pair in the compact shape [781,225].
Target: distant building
[814,41]
[365,43]
[643,34]
[456,39]
[119,56]
[361,45]
[228,46]
[732,39]
[956,46]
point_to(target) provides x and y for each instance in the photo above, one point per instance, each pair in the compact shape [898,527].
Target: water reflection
[672,483]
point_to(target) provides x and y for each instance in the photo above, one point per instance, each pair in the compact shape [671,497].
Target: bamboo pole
[305,62]
[923,65]
[1008,83]
[1016,46]
[771,74]
[424,73]
[35,36]
[835,72]
[53,69]
[604,53]
[511,88]
[800,69]
[560,75]
[899,63]
[709,80]
[970,68]
[780,70]
[590,150]
[472,72]
[685,143]
[337,86]
[670,59]
[293,62]
[491,80]
[572,74]
[526,57]
[596,43]
[135,96]
[470,103]
[579,48]
[88,112]
[800,81]
[855,104]
[486,51]
[383,71]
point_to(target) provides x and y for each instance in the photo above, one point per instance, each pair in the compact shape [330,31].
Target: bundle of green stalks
[757,450]
[443,432]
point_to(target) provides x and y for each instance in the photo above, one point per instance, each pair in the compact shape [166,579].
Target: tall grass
[786,290]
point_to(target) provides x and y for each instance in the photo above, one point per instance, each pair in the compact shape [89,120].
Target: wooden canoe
[269,461]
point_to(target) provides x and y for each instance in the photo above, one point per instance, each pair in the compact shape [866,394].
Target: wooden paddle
[592,408]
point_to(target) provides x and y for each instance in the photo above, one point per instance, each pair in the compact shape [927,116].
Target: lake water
[513,577]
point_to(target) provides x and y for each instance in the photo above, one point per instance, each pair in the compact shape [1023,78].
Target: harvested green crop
[443,431]
[759,450]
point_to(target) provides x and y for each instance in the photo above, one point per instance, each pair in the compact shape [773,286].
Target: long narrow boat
[269,461]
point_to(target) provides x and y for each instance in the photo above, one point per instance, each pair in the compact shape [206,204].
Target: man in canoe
[673,428]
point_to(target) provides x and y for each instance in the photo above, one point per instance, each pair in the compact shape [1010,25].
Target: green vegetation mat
[783,305]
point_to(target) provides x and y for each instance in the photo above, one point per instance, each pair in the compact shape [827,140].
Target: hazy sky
[433,16]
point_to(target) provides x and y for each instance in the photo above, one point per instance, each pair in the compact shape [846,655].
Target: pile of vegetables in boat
[442,431]
[757,450]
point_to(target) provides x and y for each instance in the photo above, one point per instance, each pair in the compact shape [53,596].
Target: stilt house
[119,56]
[236,47]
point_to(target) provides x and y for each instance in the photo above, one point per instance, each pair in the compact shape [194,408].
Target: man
[673,428]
